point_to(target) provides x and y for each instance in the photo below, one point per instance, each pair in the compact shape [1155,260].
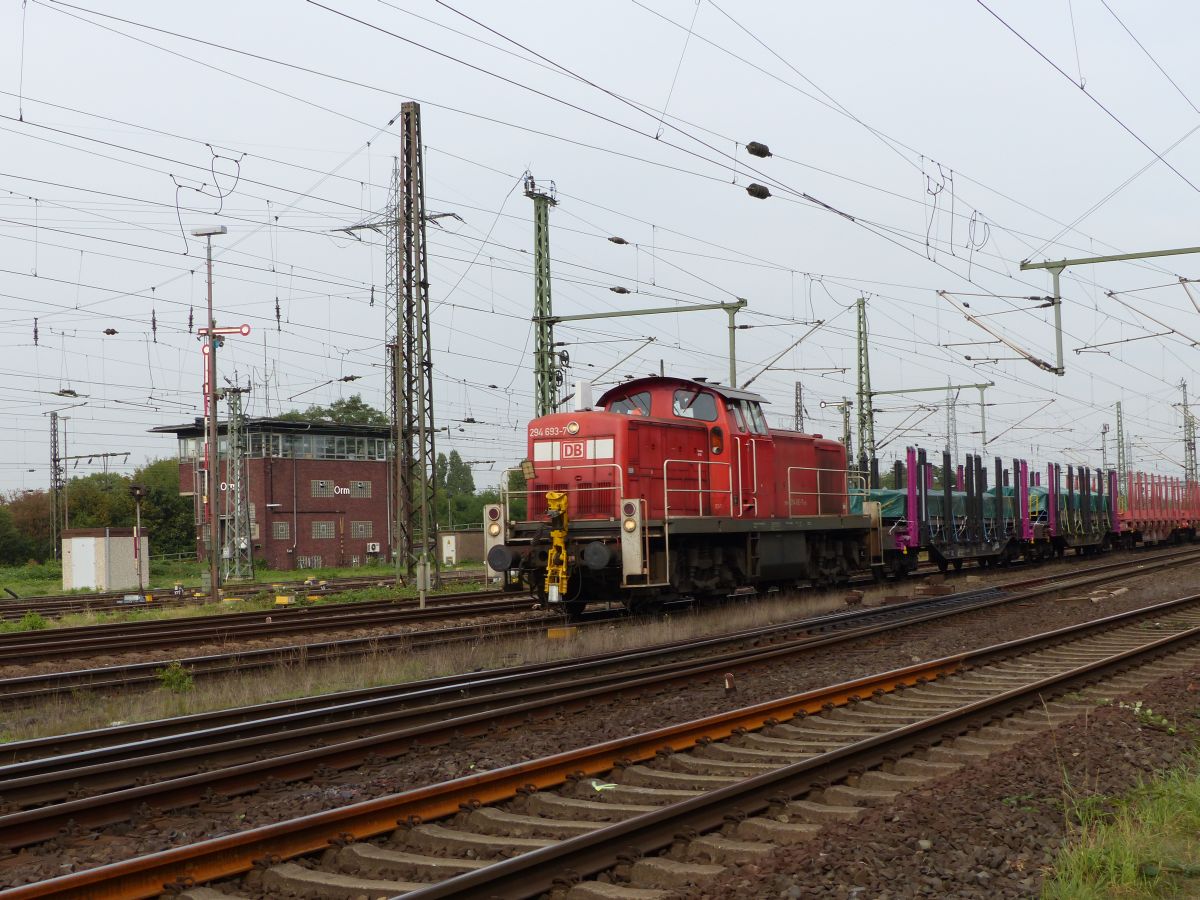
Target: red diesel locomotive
[676,488]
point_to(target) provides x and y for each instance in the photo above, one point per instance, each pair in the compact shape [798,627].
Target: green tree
[31,517]
[352,410]
[100,500]
[167,518]
[440,466]
[14,546]
[459,479]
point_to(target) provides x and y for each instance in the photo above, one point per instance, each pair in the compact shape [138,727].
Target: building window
[281,530]
[322,488]
[362,529]
[308,562]
[322,530]
[360,489]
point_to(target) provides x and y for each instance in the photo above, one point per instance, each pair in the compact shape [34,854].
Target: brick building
[318,490]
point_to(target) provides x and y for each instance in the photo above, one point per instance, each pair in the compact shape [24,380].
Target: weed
[1148,717]
[1142,845]
[175,678]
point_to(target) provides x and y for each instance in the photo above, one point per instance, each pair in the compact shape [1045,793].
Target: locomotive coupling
[556,560]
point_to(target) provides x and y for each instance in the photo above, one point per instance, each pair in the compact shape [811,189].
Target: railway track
[28,688]
[160,634]
[96,778]
[728,787]
[56,605]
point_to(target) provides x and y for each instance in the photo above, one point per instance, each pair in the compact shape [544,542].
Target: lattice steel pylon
[545,372]
[400,496]
[799,415]
[237,554]
[415,351]
[1189,438]
[866,409]
[57,476]
[1122,460]
[952,423]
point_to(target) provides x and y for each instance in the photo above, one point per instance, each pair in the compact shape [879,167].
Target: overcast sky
[917,148]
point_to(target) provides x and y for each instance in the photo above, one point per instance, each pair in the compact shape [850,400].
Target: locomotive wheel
[958,564]
[942,566]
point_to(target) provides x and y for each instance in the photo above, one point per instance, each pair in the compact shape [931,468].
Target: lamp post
[214,469]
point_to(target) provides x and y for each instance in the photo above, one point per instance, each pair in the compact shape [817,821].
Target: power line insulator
[618,240]
[754,148]
[110,331]
[619,290]
[758,191]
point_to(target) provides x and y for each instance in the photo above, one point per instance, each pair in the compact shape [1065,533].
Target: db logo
[572,450]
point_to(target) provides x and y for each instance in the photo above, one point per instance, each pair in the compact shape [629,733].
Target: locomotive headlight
[629,525]
[572,428]
[494,529]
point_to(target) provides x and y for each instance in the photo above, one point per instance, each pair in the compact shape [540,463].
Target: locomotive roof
[659,381]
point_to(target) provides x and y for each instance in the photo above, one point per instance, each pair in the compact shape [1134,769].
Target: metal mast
[845,405]
[545,372]
[866,411]
[1189,438]
[238,553]
[402,463]
[416,352]
[952,423]
[56,483]
[1104,447]
[1122,463]
[799,407]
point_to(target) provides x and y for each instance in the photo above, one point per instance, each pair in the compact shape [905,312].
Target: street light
[214,573]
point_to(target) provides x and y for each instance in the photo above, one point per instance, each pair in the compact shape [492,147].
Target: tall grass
[1141,846]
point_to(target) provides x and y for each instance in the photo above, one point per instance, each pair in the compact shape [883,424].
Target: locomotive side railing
[700,492]
[833,491]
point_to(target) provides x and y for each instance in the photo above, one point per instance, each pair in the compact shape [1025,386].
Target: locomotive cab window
[750,412]
[635,404]
[689,404]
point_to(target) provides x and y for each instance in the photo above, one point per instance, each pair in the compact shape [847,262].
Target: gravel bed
[990,830]
[334,632]
[604,721]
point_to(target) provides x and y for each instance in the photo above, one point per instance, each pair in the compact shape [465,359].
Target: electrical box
[582,399]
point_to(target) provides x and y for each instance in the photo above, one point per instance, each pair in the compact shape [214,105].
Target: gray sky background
[956,149]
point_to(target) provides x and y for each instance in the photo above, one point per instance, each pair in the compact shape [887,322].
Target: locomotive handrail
[699,490]
[852,484]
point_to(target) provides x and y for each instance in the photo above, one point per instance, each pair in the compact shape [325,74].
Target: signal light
[629,525]
[629,510]
[493,514]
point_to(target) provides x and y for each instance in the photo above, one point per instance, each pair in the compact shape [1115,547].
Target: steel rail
[541,870]
[178,784]
[58,643]
[31,687]
[522,876]
[247,589]
[199,725]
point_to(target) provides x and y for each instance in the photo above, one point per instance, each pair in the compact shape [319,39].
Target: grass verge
[1146,845]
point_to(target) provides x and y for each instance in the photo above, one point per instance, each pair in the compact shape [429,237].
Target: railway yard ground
[939,817]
